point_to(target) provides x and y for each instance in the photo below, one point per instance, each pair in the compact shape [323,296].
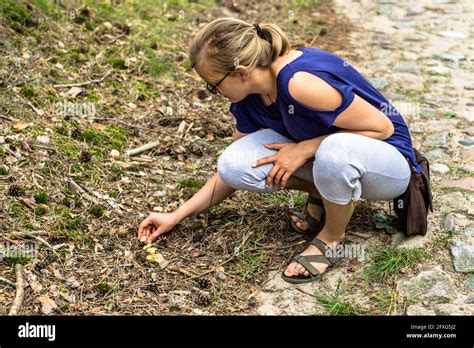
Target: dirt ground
[73,199]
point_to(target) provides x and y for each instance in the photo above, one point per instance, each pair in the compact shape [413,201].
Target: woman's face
[234,87]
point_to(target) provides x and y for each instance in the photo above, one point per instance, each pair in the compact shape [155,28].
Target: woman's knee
[331,160]
[335,175]
[235,168]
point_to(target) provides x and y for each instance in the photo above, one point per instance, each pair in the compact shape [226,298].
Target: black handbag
[412,206]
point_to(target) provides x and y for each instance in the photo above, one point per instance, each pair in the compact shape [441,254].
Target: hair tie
[259,31]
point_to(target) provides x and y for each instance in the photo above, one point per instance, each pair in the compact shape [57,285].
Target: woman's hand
[156,224]
[287,161]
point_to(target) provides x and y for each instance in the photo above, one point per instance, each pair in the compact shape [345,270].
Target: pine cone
[108,245]
[85,156]
[15,191]
[203,283]
[76,133]
[202,300]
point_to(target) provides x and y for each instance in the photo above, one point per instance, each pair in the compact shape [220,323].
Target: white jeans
[345,164]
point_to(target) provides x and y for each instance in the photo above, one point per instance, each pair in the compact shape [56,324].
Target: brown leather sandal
[305,261]
[315,225]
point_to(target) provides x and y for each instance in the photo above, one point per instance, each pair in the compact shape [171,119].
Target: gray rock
[448,224]
[416,37]
[466,142]
[439,168]
[386,9]
[437,140]
[415,10]
[453,35]
[453,58]
[427,112]
[416,309]
[435,154]
[452,309]
[469,131]
[407,67]
[463,256]
[414,242]
[221,276]
[379,82]
[393,96]
[177,299]
[469,300]
[382,40]
[469,87]
[429,285]
[468,231]
[470,282]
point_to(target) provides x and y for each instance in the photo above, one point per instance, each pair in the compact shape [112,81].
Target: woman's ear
[242,72]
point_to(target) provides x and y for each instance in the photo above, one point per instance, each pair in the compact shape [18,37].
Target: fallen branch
[88,194]
[29,234]
[20,290]
[211,270]
[80,84]
[11,119]
[6,281]
[359,234]
[142,148]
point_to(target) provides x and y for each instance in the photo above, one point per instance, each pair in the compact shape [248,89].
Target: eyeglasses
[213,87]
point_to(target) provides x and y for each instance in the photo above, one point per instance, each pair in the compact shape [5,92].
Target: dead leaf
[37,110]
[254,293]
[18,127]
[98,126]
[353,264]
[47,304]
[74,92]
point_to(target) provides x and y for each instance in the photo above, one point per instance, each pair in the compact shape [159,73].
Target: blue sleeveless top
[298,122]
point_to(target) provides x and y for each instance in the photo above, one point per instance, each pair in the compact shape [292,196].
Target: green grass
[41,197]
[386,300]
[387,261]
[14,256]
[292,199]
[159,66]
[336,304]
[112,137]
[249,265]
[190,183]
[97,210]
[27,91]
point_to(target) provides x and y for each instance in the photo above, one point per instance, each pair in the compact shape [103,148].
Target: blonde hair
[228,42]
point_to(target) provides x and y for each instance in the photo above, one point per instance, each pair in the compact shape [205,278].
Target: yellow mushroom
[148,246]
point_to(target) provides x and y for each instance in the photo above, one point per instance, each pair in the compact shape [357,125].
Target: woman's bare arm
[202,199]
[215,188]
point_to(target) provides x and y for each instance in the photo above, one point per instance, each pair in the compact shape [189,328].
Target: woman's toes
[300,270]
[306,273]
[301,224]
[290,269]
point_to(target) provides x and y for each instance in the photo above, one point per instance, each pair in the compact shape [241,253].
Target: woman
[306,120]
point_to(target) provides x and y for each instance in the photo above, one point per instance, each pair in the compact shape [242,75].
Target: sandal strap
[323,248]
[303,261]
[315,201]
[318,259]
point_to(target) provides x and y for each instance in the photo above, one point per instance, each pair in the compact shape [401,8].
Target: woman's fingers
[156,233]
[271,174]
[142,226]
[278,176]
[285,178]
